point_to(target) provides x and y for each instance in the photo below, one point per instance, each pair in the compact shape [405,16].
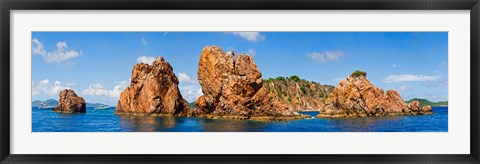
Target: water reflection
[106,121]
[218,125]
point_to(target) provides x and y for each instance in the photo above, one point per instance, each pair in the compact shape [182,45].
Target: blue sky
[97,65]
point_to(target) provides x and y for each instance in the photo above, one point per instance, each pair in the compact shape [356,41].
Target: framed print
[239,82]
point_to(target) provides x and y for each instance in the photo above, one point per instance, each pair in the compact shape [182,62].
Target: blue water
[106,121]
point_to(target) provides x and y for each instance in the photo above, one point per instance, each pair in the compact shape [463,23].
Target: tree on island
[358,73]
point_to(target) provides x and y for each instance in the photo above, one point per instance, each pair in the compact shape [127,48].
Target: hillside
[192,105]
[424,102]
[296,93]
[49,102]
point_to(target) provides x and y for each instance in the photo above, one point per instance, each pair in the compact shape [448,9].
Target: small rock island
[69,102]
[357,97]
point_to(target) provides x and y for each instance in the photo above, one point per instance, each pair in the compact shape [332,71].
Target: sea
[106,121]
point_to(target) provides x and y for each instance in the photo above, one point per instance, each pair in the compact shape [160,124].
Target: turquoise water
[106,121]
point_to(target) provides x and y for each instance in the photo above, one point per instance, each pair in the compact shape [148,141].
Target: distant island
[425,102]
[53,102]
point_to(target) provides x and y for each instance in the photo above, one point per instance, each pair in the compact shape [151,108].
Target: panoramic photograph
[239,81]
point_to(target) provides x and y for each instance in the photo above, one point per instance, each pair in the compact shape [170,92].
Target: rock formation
[69,102]
[357,97]
[153,91]
[296,93]
[233,88]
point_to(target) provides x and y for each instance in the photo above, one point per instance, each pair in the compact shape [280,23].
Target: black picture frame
[5,74]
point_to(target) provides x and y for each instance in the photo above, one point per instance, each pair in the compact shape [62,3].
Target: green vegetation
[303,90]
[192,105]
[358,73]
[280,78]
[295,78]
[320,94]
[424,102]
[269,80]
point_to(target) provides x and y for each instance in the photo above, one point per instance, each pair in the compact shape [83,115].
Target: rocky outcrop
[233,88]
[153,91]
[357,97]
[69,102]
[298,94]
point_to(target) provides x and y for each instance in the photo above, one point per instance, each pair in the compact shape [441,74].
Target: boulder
[153,91]
[69,102]
[233,88]
[426,110]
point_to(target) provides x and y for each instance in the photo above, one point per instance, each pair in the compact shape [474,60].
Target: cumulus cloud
[338,79]
[146,59]
[249,36]
[251,52]
[409,77]
[98,89]
[437,83]
[183,77]
[325,56]
[47,88]
[191,92]
[61,52]
[144,42]
[404,88]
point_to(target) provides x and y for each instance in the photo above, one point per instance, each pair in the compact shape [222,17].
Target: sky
[98,65]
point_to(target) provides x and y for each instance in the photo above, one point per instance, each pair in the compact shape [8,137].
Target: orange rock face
[233,88]
[357,97]
[69,102]
[153,91]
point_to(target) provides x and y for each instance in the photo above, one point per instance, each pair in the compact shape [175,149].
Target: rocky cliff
[298,94]
[153,91]
[69,102]
[357,97]
[233,88]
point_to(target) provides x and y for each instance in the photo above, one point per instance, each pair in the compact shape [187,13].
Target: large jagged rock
[69,102]
[357,97]
[233,88]
[153,91]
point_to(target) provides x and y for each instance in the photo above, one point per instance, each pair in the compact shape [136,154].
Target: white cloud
[191,92]
[61,53]
[325,56]
[47,88]
[98,89]
[71,84]
[338,79]
[183,77]
[394,66]
[146,59]
[404,88]
[231,48]
[144,42]
[250,36]
[437,83]
[409,78]
[251,52]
